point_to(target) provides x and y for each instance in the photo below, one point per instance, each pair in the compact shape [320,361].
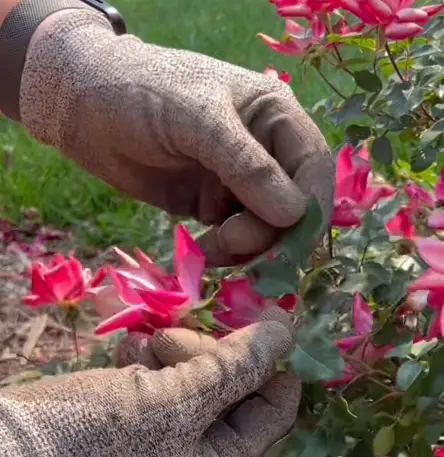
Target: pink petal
[162,299]
[35,300]
[189,263]
[345,214]
[435,299]
[126,260]
[355,7]
[107,301]
[78,288]
[430,280]
[270,71]
[374,193]
[354,186]
[294,29]
[288,302]
[416,15]
[363,153]
[60,281]
[39,288]
[290,47]
[362,315]
[128,317]
[436,219]
[98,277]
[56,259]
[401,224]
[380,9]
[418,195]
[439,186]
[432,252]
[432,10]
[124,289]
[243,303]
[158,277]
[295,11]
[285,77]
[401,31]
[437,327]
[344,163]
[317,28]
[344,344]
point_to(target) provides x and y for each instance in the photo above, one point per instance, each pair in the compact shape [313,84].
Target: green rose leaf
[384,441]
[382,150]
[408,372]
[298,241]
[308,443]
[352,108]
[315,359]
[367,81]
[431,134]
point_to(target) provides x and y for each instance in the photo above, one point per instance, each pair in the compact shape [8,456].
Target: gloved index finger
[254,176]
[201,389]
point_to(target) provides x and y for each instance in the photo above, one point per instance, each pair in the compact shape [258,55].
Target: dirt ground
[29,337]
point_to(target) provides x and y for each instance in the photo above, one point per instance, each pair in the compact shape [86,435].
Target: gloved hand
[182,131]
[171,412]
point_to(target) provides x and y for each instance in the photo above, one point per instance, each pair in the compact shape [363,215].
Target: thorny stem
[361,262]
[398,72]
[385,397]
[329,84]
[330,242]
[341,60]
[392,60]
[370,372]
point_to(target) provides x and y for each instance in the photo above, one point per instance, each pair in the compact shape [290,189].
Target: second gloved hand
[145,410]
[182,131]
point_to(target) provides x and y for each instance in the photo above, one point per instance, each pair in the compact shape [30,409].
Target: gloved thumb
[239,364]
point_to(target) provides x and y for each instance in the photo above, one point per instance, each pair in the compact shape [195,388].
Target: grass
[37,176]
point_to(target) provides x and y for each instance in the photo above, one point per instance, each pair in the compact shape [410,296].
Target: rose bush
[369,303]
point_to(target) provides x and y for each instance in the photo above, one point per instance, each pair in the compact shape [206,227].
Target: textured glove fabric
[171,411]
[182,131]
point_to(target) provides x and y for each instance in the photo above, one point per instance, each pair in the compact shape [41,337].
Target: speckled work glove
[168,412]
[185,132]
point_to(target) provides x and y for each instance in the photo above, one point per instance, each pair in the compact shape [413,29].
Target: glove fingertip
[177,345]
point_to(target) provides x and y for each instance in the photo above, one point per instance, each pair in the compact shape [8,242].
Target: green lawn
[66,196]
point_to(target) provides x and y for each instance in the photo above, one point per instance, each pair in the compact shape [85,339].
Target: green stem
[398,72]
[329,84]
[340,59]
[330,242]
[392,60]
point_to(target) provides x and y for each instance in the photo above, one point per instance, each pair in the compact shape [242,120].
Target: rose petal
[400,31]
[436,219]
[189,263]
[436,329]
[430,280]
[401,224]
[128,317]
[439,186]
[362,315]
[107,301]
[432,252]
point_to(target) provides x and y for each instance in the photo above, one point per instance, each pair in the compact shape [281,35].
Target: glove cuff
[15,35]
